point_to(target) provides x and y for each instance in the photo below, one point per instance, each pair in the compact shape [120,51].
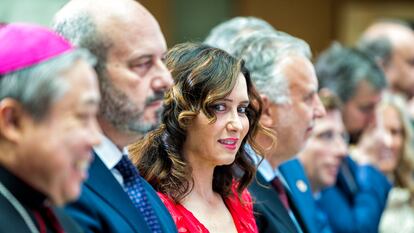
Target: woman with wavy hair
[195,159]
[388,144]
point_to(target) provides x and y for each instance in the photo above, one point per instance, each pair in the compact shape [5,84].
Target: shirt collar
[108,152]
[264,167]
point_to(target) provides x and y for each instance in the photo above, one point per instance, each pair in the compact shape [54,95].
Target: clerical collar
[21,190]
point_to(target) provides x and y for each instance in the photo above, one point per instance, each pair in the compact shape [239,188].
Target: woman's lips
[229,143]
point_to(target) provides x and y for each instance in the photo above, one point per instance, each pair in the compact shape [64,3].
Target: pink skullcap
[24,45]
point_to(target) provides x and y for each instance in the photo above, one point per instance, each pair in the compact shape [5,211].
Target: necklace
[19,208]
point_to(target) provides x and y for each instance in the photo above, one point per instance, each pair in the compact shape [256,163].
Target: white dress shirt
[269,173]
[110,155]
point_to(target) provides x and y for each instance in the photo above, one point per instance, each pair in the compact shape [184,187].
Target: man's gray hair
[341,70]
[379,49]
[380,46]
[222,35]
[263,54]
[81,30]
[39,86]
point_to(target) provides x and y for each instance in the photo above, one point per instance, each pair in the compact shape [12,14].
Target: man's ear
[382,64]
[12,116]
[267,118]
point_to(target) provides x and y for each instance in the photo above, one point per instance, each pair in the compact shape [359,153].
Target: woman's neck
[203,180]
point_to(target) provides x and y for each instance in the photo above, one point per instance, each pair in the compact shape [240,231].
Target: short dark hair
[341,70]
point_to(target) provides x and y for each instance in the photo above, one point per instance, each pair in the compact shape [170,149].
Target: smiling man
[49,98]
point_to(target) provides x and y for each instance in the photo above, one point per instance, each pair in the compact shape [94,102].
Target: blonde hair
[403,174]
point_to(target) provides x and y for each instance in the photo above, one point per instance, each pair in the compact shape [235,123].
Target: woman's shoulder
[171,206]
[165,199]
[398,212]
[241,208]
[398,196]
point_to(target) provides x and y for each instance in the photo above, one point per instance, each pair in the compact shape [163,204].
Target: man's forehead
[139,41]
[366,91]
[406,50]
[300,74]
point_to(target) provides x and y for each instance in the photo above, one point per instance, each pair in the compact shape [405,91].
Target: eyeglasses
[331,136]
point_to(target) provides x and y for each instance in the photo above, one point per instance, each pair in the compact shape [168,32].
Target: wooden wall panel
[311,20]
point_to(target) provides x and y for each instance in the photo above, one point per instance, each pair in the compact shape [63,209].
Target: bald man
[130,49]
[391,43]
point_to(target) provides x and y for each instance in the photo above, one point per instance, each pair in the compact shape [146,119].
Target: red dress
[242,214]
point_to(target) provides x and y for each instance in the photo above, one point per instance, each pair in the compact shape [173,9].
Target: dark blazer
[301,196]
[270,214]
[356,202]
[105,207]
[12,221]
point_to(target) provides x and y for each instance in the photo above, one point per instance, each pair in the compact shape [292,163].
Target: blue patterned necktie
[136,192]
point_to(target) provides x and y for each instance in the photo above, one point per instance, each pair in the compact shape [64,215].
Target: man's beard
[122,113]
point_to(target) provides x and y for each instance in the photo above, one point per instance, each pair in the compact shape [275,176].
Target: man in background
[391,44]
[356,202]
[280,67]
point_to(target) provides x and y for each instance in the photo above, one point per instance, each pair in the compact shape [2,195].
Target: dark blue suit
[270,214]
[301,195]
[356,202]
[105,207]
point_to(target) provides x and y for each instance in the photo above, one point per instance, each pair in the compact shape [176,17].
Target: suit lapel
[300,195]
[271,201]
[104,184]
[296,212]
[11,220]
[65,221]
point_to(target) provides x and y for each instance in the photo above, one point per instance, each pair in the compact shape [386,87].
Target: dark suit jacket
[356,202]
[12,221]
[105,207]
[270,214]
[302,197]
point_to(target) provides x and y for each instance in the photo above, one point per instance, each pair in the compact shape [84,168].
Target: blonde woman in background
[389,145]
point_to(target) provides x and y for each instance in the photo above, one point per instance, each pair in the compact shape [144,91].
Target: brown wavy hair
[202,75]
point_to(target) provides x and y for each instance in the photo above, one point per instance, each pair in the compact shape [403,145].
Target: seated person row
[361,190]
[388,144]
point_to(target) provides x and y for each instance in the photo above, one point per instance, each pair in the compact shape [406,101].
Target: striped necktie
[277,184]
